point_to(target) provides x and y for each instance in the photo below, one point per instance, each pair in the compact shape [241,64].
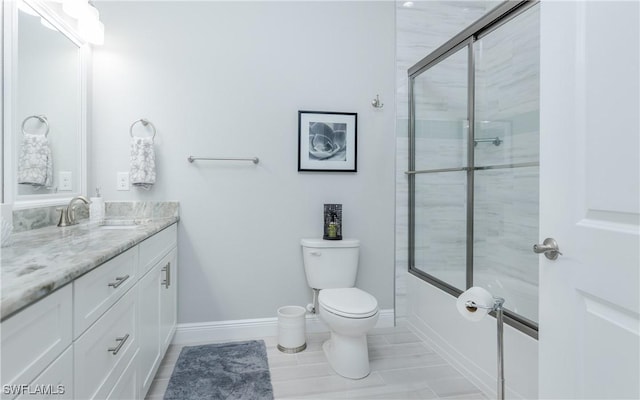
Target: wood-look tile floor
[402,367]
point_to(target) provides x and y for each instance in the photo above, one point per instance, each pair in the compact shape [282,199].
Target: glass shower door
[506,163]
[473,165]
[440,127]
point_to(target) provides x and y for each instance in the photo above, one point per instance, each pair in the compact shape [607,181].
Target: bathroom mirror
[45,106]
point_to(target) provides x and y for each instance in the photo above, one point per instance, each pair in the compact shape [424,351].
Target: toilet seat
[348,302]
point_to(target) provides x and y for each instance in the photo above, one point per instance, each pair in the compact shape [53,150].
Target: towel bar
[254,160]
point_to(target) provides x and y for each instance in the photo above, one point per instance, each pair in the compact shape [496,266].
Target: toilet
[349,312]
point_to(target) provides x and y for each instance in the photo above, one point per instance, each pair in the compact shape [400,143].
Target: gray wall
[227,79]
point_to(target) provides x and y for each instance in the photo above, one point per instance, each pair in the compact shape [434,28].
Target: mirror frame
[9,122]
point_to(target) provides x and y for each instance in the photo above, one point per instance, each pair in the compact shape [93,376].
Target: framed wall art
[327,141]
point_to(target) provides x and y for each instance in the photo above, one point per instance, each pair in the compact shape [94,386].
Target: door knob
[549,247]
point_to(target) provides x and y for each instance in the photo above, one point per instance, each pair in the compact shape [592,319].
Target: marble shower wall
[506,106]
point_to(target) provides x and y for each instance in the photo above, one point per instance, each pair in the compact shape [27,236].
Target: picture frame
[327,141]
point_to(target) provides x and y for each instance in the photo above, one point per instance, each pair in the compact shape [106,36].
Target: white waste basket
[292,336]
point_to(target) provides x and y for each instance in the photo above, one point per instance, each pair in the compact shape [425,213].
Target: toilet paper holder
[471,305]
[497,306]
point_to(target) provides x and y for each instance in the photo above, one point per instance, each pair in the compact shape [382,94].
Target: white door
[589,200]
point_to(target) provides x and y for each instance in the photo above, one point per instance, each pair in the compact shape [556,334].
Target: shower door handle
[549,247]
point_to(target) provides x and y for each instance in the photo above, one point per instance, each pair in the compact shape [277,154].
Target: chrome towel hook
[40,118]
[376,103]
[145,122]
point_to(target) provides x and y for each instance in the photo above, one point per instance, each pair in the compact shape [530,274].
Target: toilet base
[348,355]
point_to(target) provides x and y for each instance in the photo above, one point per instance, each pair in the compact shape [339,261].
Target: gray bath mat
[237,370]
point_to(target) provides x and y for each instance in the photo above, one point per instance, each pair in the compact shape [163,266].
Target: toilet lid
[348,302]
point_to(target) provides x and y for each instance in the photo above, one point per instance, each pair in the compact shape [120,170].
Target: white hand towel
[35,165]
[143,162]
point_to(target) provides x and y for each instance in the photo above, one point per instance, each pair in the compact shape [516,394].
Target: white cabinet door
[589,200]
[157,305]
[168,300]
[149,326]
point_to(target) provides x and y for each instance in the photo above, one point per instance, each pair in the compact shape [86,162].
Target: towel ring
[40,118]
[144,122]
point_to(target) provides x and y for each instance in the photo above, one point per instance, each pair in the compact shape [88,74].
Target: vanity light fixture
[407,4]
[75,8]
[90,26]
[88,16]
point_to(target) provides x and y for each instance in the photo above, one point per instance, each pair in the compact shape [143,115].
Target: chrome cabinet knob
[549,247]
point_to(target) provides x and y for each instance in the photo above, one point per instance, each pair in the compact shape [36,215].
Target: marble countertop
[42,260]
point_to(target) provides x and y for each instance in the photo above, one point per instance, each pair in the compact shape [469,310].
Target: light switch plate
[65,179]
[123,181]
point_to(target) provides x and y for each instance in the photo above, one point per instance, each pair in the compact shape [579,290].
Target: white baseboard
[253,328]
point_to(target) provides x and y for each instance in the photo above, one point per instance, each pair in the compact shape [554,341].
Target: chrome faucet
[68,215]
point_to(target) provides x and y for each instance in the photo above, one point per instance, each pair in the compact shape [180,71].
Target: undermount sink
[120,224]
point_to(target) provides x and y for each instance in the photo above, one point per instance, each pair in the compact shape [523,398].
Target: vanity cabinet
[102,336]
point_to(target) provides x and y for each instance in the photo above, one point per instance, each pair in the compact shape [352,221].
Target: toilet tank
[330,263]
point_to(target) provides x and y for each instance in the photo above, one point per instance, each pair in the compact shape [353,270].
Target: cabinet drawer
[126,388]
[36,336]
[102,353]
[96,291]
[155,247]
[55,382]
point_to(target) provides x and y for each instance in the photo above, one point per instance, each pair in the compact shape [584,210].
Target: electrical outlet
[65,179]
[123,181]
